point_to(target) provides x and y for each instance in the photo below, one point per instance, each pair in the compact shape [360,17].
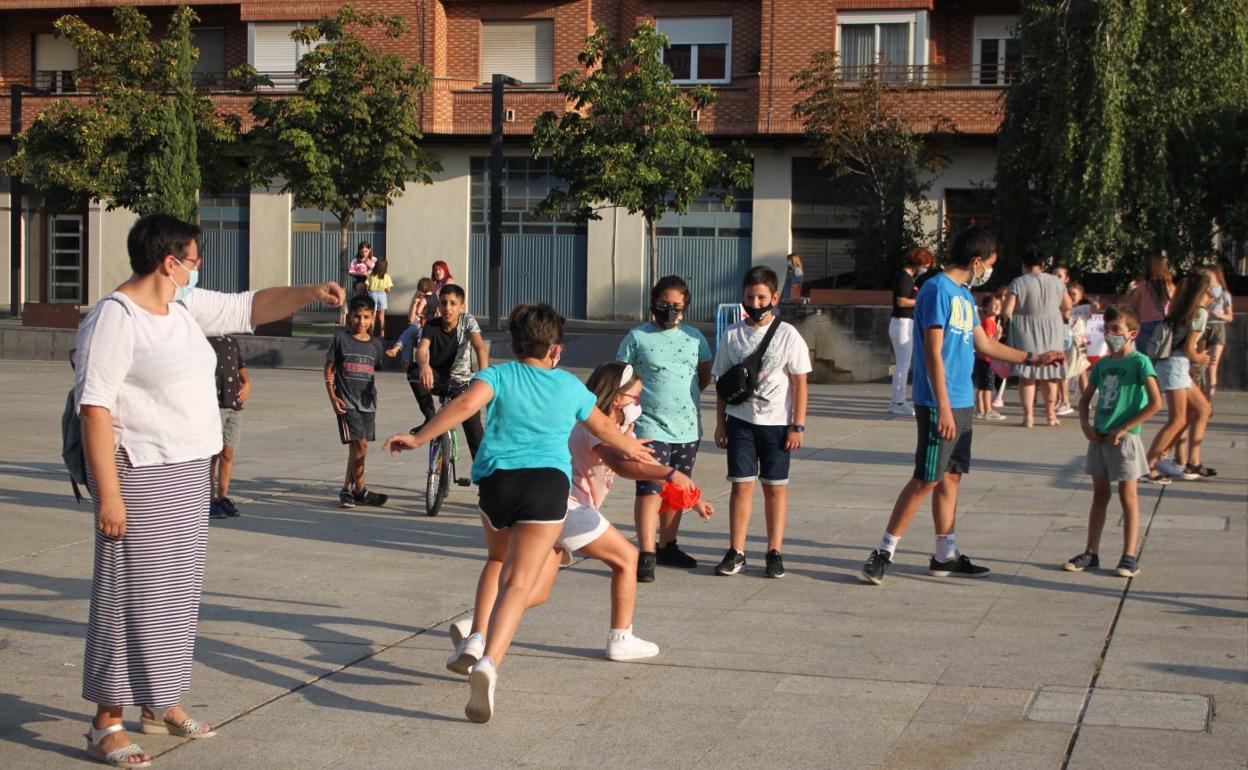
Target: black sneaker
[346,499]
[228,506]
[775,564]
[1083,561]
[368,497]
[960,566]
[873,568]
[645,567]
[734,562]
[215,511]
[671,556]
[1128,566]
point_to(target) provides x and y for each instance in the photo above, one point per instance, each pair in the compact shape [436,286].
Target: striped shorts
[146,586]
[934,456]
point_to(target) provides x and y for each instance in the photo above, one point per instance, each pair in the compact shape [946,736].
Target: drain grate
[1122,708]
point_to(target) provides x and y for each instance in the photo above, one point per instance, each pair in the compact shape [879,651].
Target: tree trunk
[344,261]
[653,228]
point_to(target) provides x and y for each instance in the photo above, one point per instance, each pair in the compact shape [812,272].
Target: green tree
[864,133]
[630,140]
[136,143]
[1121,131]
[350,138]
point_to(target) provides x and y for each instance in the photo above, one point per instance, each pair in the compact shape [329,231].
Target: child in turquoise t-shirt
[1129,396]
[674,362]
[524,473]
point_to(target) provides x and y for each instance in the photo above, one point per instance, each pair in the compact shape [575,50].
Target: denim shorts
[757,452]
[1174,373]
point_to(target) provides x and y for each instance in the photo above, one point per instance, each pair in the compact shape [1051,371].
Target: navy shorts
[757,452]
[357,426]
[934,456]
[678,456]
[982,376]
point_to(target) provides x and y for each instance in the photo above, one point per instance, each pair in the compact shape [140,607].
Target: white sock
[620,633]
[946,548]
[889,543]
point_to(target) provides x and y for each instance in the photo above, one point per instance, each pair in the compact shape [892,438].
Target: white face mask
[980,280]
[632,411]
[1116,342]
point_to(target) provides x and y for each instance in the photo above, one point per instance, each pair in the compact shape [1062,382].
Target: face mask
[632,411]
[1216,291]
[1116,342]
[180,292]
[980,280]
[757,314]
[666,315]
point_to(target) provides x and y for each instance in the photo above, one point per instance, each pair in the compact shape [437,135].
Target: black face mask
[757,314]
[665,315]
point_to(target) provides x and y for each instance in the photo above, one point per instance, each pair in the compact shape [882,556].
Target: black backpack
[736,385]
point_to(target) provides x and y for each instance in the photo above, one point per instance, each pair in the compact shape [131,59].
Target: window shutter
[522,49]
[274,50]
[54,53]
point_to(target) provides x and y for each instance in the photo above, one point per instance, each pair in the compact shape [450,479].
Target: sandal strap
[97,734]
[118,756]
[192,726]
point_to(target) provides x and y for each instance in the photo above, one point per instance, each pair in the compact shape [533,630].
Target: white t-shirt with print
[787,354]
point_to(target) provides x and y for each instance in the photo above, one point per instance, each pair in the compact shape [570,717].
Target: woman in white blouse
[145,392]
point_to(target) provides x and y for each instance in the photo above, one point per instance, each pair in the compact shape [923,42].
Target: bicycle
[443,455]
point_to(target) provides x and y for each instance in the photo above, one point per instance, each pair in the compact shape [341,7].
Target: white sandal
[116,757]
[188,728]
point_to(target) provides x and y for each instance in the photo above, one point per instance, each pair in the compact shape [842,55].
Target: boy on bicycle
[442,363]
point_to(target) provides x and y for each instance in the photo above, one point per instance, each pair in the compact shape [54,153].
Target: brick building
[747,49]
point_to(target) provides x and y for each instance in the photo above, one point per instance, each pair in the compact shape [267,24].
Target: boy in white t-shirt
[760,432]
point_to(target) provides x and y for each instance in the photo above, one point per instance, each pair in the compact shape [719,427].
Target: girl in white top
[594,468]
[146,396]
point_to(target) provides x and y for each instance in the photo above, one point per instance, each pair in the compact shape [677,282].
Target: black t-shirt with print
[229,381]
[355,361]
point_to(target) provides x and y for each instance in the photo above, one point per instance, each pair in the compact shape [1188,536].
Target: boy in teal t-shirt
[674,363]
[1129,395]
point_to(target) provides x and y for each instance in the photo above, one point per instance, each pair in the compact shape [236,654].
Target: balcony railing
[934,75]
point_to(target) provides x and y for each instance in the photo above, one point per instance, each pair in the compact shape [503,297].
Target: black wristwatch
[1027,360]
[798,427]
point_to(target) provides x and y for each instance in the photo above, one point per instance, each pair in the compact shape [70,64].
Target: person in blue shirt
[523,470]
[947,336]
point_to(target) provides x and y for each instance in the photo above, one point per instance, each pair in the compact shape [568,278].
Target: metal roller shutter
[522,49]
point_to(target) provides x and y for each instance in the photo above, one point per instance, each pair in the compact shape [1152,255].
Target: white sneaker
[995,416]
[466,654]
[998,403]
[460,630]
[1171,468]
[622,645]
[481,702]
[901,409]
[1065,410]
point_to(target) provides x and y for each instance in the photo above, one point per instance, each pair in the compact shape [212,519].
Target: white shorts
[582,526]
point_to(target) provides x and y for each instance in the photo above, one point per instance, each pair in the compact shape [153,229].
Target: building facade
[962,51]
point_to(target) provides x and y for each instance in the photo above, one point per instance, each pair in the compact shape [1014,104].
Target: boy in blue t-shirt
[674,363]
[523,470]
[947,336]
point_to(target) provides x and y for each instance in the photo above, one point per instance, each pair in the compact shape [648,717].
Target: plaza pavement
[324,632]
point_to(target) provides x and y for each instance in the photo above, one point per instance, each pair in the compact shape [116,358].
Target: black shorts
[524,496]
[678,456]
[357,426]
[935,456]
[982,376]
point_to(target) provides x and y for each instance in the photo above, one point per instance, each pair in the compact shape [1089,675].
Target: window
[210,66]
[995,50]
[523,50]
[967,207]
[699,49]
[65,258]
[894,42]
[272,52]
[526,182]
[55,62]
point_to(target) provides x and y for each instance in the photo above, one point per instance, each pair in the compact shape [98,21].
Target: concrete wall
[616,291]
[270,240]
[428,223]
[114,260]
[970,167]
[772,235]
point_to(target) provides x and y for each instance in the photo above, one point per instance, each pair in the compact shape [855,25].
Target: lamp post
[495,236]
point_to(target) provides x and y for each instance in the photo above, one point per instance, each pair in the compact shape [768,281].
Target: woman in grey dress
[1035,306]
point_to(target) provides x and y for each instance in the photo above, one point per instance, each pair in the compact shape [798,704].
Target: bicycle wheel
[435,482]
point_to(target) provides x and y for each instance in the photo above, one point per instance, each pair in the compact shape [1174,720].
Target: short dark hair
[534,330]
[760,274]
[973,241]
[670,282]
[1126,313]
[1034,257]
[453,288]
[154,237]
[362,300]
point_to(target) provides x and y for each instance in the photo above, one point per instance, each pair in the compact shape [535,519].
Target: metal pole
[496,203]
[15,208]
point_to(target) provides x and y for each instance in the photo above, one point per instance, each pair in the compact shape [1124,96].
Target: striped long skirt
[146,586]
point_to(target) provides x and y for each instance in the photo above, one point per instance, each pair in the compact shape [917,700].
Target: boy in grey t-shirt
[353,356]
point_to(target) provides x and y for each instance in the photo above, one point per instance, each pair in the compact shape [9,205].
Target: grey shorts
[231,427]
[1126,462]
[1174,373]
[934,456]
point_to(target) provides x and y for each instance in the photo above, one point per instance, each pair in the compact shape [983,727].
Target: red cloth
[677,498]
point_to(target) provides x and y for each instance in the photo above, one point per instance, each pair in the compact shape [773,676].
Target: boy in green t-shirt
[1129,395]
